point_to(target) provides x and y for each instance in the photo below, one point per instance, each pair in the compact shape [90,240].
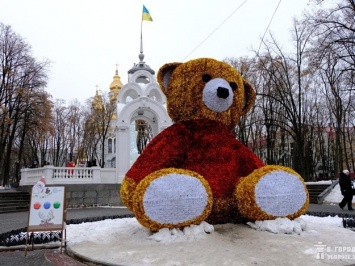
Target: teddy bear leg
[272,191]
[172,198]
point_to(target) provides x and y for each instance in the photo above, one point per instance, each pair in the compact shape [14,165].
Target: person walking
[346,190]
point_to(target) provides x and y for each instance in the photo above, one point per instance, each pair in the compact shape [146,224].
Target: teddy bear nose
[222,92]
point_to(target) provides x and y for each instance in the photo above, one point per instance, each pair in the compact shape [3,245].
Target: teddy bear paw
[172,198]
[270,192]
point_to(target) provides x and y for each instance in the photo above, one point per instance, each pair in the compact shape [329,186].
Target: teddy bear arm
[246,160]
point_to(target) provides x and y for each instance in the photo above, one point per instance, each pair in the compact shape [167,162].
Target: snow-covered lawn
[307,240]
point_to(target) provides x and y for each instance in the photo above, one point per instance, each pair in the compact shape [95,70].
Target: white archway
[140,99]
[144,108]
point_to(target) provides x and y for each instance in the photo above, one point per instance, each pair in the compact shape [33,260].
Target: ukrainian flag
[146,15]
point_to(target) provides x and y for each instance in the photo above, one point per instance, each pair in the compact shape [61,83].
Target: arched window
[142,79]
[109,145]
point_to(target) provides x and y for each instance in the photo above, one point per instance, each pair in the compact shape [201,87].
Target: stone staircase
[14,201]
[315,190]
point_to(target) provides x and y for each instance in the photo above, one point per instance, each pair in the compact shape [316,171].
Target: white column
[48,174]
[123,152]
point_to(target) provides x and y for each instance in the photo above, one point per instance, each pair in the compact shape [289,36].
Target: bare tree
[338,99]
[336,30]
[144,134]
[21,77]
[246,124]
[287,80]
[74,128]
[99,125]
[36,131]
[334,55]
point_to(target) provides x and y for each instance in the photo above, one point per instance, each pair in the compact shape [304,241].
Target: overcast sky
[85,39]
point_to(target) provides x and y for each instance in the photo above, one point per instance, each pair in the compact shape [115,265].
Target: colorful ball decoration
[46,205]
[56,205]
[37,205]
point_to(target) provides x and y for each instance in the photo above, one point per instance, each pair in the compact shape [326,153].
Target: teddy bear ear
[165,73]
[249,97]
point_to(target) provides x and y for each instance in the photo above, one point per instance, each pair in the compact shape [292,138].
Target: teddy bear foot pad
[174,199]
[280,193]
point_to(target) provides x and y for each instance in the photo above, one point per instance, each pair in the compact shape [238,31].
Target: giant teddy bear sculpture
[196,170]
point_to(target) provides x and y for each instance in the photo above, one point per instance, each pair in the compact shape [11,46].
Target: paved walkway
[45,255]
[53,257]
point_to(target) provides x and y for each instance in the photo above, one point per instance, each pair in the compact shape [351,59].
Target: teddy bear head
[205,88]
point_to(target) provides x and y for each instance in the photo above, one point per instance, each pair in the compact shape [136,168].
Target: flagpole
[141,49]
[145,16]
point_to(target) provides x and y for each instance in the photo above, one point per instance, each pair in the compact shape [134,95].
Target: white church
[139,99]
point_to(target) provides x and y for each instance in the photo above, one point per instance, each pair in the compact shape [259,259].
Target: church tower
[115,86]
[110,154]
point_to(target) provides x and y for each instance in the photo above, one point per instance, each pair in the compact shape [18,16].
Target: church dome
[115,85]
[97,101]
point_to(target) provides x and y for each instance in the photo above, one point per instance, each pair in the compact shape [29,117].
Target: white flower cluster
[191,232]
[280,226]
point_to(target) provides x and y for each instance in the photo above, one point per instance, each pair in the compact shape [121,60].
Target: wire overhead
[215,30]
[262,39]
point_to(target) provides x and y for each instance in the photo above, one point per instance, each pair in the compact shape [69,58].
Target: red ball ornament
[37,205]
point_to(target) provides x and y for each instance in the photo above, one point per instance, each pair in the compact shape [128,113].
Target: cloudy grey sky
[85,39]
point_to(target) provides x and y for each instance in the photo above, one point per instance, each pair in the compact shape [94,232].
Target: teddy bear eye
[206,78]
[233,85]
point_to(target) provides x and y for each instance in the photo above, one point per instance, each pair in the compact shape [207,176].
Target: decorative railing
[69,175]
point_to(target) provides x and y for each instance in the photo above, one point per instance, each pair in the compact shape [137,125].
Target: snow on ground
[323,241]
[334,197]
[308,240]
